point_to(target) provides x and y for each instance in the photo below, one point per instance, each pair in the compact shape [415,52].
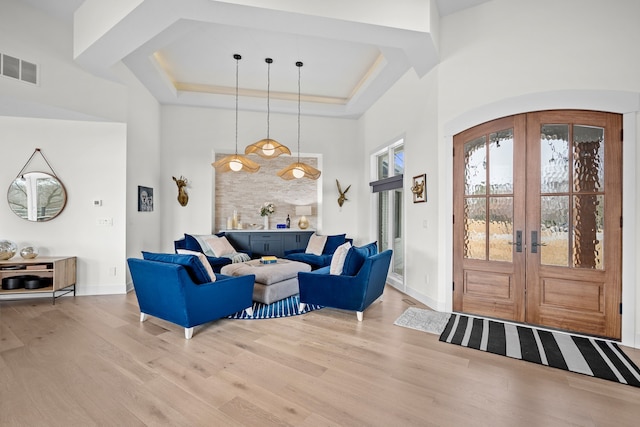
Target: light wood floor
[87,361]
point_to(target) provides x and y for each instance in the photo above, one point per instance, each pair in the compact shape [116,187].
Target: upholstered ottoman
[273,281]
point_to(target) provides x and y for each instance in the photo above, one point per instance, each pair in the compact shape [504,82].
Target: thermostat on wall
[97,203]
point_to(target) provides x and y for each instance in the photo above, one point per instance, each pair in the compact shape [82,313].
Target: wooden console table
[61,270]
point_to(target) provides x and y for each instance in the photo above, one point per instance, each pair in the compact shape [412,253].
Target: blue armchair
[346,292]
[168,291]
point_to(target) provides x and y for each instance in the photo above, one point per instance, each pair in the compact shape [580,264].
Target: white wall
[409,111]
[143,231]
[76,152]
[191,136]
[65,91]
[102,139]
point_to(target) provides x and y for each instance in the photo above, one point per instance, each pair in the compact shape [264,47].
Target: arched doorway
[537,220]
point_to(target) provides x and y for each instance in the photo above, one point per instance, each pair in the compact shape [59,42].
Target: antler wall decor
[183,197]
[342,197]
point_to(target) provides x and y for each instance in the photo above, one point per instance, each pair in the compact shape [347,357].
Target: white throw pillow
[337,260]
[220,246]
[316,244]
[203,259]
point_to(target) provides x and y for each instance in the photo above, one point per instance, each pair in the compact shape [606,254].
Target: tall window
[388,197]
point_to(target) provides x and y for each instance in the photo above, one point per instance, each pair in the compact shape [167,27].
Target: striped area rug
[584,355]
[283,308]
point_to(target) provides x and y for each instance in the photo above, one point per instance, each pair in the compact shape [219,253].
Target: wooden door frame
[469,276]
[625,103]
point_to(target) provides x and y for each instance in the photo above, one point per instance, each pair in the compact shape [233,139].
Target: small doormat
[420,319]
[283,308]
[589,356]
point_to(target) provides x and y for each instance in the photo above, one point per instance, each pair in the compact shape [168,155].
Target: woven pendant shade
[267,148]
[298,169]
[236,162]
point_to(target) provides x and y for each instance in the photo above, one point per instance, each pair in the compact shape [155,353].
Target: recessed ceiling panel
[205,57]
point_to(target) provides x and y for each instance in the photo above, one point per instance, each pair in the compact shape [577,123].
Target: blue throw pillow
[372,248]
[354,260]
[191,263]
[356,257]
[190,243]
[332,243]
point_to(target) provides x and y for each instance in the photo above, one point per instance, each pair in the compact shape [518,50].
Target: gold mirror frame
[37,196]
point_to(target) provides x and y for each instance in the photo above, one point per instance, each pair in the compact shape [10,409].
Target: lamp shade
[299,170]
[235,163]
[267,148]
[303,210]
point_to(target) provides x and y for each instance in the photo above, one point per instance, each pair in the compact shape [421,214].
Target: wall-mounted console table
[58,273]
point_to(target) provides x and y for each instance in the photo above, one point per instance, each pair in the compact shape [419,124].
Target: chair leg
[359,315]
[249,311]
[301,307]
[143,317]
[188,333]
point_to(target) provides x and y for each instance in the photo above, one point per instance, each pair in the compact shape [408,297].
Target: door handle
[518,242]
[534,242]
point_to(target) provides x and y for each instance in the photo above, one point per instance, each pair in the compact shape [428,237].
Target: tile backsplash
[246,192]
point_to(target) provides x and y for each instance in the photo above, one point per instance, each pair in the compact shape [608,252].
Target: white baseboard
[100,290]
[429,302]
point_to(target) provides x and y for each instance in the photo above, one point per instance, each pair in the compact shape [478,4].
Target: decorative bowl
[254,226]
[7,249]
[29,252]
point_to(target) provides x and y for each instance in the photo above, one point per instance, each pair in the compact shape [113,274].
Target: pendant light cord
[299,65]
[268,61]
[237,57]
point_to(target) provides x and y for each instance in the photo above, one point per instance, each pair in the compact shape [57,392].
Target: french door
[538,220]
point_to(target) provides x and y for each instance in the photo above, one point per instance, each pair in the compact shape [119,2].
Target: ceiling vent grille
[16,68]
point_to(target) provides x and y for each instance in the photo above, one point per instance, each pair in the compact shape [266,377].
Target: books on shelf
[268,259]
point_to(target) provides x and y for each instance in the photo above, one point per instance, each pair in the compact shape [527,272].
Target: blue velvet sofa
[177,289]
[362,281]
[189,242]
[318,261]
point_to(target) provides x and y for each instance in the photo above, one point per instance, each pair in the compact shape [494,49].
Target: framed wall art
[145,199]
[419,188]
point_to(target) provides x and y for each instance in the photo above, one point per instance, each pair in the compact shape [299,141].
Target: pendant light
[298,169]
[236,162]
[267,148]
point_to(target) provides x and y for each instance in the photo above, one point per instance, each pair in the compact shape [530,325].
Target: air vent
[16,68]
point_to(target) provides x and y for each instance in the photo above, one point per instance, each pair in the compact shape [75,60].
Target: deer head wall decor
[343,196]
[183,197]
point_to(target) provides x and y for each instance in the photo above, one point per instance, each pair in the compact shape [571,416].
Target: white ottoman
[273,281]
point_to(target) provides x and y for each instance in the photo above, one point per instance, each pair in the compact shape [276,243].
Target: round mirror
[37,196]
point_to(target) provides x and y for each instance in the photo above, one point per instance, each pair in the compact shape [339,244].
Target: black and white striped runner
[584,355]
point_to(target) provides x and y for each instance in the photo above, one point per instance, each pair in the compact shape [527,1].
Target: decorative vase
[29,252]
[266,222]
[7,249]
